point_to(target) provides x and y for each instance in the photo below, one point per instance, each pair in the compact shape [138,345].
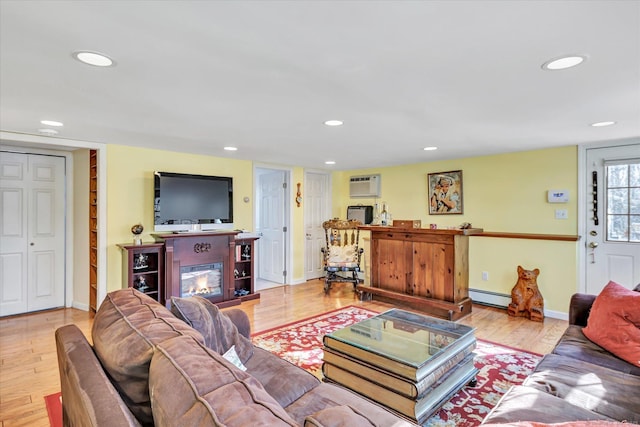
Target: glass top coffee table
[409,362]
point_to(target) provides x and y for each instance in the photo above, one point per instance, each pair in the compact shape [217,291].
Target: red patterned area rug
[500,367]
[53,403]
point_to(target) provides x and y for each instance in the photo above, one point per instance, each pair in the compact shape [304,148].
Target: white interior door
[271,224]
[612,224]
[32,232]
[317,209]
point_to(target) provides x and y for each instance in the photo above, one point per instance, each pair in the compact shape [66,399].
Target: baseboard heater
[493,299]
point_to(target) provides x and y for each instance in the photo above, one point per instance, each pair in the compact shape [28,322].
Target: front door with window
[612,226]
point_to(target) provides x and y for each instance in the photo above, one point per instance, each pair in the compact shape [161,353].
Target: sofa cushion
[328,395]
[589,386]
[219,332]
[338,416]
[614,322]
[284,381]
[89,398]
[192,385]
[575,345]
[125,330]
[527,403]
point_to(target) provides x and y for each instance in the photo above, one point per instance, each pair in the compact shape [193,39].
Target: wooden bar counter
[425,269]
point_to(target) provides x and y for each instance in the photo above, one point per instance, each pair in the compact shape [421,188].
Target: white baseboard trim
[495,299]
[556,315]
[80,306]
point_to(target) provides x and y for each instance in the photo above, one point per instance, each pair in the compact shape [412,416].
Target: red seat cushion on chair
[614,322]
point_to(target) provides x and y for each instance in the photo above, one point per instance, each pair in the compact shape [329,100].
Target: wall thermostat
[558,196]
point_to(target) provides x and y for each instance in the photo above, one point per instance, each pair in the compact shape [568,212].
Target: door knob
[593,245]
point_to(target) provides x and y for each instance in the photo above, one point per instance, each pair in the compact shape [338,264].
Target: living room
[509,165]
[507,173]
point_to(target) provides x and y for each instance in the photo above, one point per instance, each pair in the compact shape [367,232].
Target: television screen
[182,200]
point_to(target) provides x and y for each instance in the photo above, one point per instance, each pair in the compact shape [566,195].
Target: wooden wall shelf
[533,236]
[93,231]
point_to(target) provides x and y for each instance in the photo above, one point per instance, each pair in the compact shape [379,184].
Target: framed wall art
[445,193]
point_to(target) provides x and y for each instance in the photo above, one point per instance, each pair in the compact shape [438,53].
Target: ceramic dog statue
[526,299]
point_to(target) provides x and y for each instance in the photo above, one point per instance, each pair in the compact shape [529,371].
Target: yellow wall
[505,193]
[130,193]
[501,193]
[297,224]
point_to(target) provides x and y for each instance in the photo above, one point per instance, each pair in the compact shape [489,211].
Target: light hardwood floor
[28,361]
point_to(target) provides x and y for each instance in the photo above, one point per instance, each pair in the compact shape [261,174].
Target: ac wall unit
[364,186]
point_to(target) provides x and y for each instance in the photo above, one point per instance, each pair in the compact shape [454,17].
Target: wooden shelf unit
[244,271]
[93,231]
[143,268]
[425,269]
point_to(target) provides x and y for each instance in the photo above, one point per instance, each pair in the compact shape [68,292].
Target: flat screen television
[183,200]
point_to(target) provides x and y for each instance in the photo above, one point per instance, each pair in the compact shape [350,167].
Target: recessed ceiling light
[563,62]
[231,148]
[430,148]
[334,123]
[51,123]
[48,131]
[602,124]
[329,162]
[93,58]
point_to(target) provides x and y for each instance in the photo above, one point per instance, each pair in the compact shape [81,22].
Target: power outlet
[562,214]
[485,275]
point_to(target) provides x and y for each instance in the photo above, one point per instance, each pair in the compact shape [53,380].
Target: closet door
[32,232]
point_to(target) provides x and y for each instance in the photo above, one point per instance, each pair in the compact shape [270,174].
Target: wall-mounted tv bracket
[595,197]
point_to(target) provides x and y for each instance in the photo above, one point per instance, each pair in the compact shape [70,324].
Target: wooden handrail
[534,236]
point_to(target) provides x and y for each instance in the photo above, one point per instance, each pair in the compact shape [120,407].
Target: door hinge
[284,185]
[284,273]
[284,229]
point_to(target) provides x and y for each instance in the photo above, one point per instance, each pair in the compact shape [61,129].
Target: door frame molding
[582,203]
[35,144]
[288,213]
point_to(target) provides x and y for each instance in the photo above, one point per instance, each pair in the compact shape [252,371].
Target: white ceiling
[196,76]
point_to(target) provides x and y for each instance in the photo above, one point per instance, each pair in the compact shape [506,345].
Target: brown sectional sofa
[577,381]
[148,367]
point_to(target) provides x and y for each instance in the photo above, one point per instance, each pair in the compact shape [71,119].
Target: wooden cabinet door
[392,270]
[433,270]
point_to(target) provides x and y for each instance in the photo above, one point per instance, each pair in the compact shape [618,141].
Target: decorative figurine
[137,231]
[141,284]
[526,299]
[140,261]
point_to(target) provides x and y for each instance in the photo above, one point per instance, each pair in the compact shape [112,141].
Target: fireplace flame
[203,283]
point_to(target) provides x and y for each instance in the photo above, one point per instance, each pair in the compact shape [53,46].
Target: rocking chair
[341,254]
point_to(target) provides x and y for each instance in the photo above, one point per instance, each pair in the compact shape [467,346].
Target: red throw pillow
[614,322]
